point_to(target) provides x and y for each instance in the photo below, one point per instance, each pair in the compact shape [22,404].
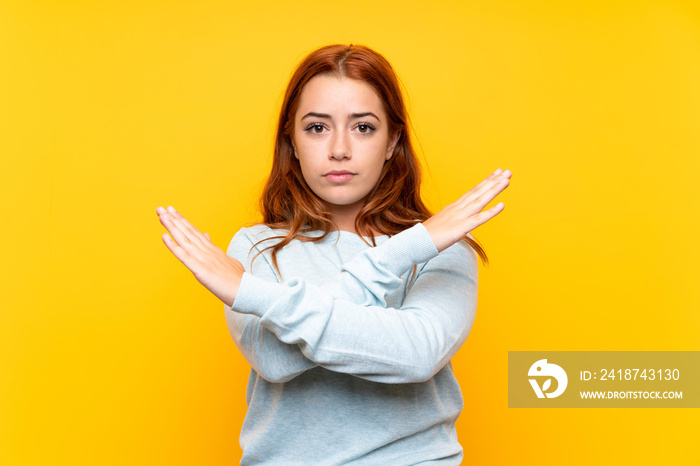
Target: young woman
[349,300]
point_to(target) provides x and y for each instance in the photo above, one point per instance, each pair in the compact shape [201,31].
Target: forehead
[331,94]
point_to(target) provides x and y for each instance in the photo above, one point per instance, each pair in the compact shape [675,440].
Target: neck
[344,216]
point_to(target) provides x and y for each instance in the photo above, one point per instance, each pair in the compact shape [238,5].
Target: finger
[488,195]
[498,183]
[506,174]
[485,183]
[177,250]
[491,177]
[474,206]
[186,225]
[493,180]
[483,217]
[176,229]
[207,235]
[190,235]
[193,253]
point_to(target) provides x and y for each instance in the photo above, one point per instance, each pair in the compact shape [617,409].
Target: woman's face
[341,139]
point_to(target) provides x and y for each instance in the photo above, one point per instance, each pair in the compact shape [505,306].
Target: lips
[339,172]
[338,176]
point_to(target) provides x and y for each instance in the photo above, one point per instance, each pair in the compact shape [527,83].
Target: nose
[340,146]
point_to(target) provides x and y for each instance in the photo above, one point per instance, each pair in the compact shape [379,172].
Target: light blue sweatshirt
[350,363]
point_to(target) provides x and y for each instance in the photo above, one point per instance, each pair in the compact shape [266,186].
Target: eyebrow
[352,115]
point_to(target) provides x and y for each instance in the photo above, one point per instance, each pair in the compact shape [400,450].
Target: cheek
[300,143]
[295,146]
[309,164]
[305,146]
[379,153]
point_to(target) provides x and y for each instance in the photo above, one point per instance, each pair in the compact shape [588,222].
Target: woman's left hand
[212,267]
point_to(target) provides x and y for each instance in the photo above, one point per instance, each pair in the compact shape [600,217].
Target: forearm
[295,326]
[366,280]
[272,359]
[372,275]
[388,345]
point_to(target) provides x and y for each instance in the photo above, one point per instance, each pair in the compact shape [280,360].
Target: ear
[294,149]
[392,144]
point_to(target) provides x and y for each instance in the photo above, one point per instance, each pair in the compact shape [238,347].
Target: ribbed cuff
[256,295]
[403,250]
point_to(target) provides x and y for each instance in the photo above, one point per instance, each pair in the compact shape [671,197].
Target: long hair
[392,206]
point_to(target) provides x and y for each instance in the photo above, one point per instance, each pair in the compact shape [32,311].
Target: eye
[366,128]
[314,128]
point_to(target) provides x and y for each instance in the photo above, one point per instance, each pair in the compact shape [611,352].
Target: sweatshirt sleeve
[361,336]
[375,273]
[274,360]
[277,361]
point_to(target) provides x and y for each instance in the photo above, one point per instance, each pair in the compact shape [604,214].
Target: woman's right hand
[453,222]
[212,267]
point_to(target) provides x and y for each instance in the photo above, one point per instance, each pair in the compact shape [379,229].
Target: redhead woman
[350,298]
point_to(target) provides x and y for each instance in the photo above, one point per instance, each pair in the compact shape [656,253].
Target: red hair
[392,206]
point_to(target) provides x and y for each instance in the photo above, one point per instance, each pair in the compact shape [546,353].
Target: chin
[338,203]
[342,202]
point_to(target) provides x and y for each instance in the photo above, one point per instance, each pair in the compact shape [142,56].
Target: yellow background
[111,352]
